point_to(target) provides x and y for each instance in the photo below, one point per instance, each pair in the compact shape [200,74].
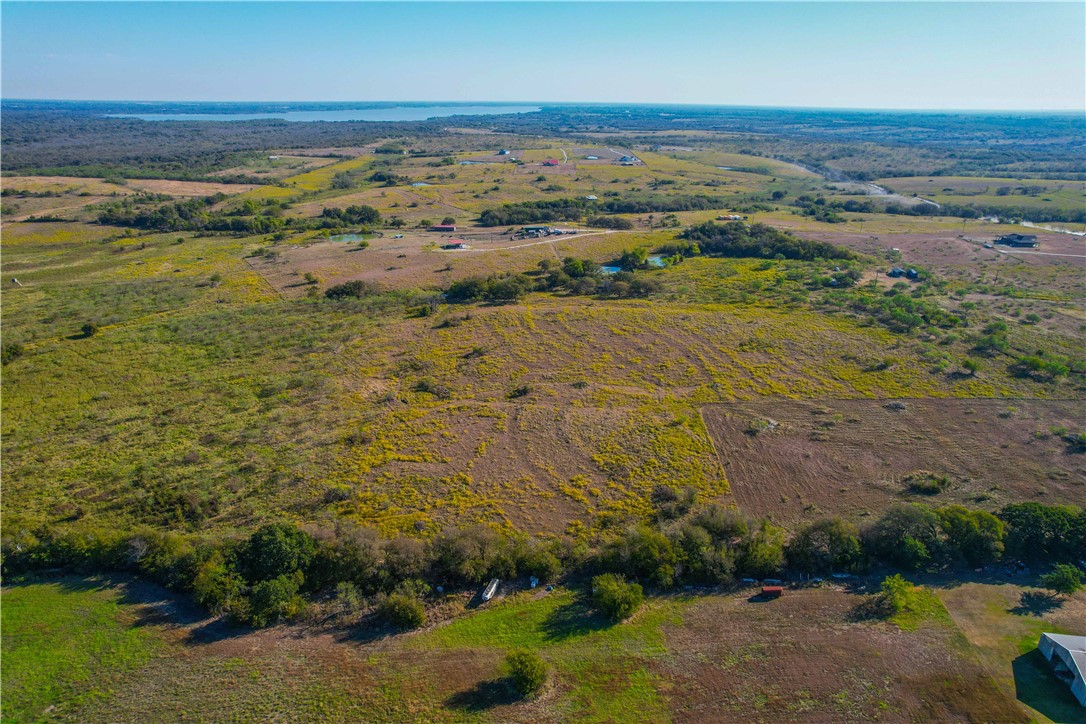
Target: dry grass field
[855,457]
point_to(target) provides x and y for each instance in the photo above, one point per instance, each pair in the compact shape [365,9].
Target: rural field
[366,348]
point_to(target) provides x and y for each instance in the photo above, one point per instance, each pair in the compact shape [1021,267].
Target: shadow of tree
[1036,603]
[1037,686]
[485,695]
[578,618]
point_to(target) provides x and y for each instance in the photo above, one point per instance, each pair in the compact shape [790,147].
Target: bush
[11,352]
[401,611]
[356,289]
[1064,578]
[89,329]
[527,672]
[615,597]
[925,483]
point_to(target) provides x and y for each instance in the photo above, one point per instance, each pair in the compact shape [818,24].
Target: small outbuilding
[551,162]
[443,227]
[772,591]
[1067,654]
[490,590]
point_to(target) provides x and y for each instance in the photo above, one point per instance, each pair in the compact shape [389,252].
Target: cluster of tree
[534,212]
[736,239]
[573,276]
[353,215]
[656,203]
[609,222]
[545,211]
[500,288]
[896,311]
[249,218]
[356,289]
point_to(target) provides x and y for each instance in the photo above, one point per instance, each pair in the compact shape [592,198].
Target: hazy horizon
[542,103]
[838,56]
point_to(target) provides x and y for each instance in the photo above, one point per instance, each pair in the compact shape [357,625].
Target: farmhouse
[443,227]
[536,230]
[1067,654]
[1027,240]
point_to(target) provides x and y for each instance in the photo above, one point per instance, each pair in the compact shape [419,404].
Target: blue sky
[978,55]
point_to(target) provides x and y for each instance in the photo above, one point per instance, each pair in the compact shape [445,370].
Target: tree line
[551,210]
[268,575]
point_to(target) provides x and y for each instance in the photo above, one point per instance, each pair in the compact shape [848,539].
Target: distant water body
[398,113]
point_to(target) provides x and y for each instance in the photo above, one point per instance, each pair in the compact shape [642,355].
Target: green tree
[527,672]
[975,535]
[1064,578]
[761,553]
[275,599]
[615,597]
[825,546]
[275,550]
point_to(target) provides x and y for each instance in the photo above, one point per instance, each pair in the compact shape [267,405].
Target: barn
[1067,654]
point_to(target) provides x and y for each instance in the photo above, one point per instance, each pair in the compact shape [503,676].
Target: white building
[1068,657]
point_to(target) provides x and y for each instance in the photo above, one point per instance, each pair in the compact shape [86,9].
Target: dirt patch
[795,460]
[799,658]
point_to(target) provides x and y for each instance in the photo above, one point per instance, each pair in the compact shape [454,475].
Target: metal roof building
[1068,657]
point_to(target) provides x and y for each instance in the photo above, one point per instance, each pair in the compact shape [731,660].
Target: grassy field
[213,365]
[203,383]
[681,658]
[1039,194]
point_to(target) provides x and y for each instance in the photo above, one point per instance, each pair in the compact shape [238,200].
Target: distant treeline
[962,211]
[545,211]
[736,239]
[249,218]
[260,578]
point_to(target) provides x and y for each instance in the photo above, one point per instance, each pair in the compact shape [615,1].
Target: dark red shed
[772,591]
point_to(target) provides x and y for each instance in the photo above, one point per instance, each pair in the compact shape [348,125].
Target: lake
[397,113]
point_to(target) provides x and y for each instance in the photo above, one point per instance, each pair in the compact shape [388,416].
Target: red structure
[772,591]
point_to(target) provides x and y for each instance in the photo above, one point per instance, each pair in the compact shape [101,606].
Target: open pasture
[802,460]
